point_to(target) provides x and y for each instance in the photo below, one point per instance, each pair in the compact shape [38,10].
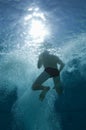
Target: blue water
[20,108]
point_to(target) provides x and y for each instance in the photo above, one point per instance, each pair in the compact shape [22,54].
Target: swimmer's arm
[39,65]
[60,62]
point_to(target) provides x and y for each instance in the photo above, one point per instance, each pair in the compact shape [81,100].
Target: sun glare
[36,22]
[37,30]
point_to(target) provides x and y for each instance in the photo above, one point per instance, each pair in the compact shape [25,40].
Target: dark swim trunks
[53,72]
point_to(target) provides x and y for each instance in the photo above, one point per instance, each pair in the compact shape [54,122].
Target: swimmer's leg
[57,84]
[43,93]
[37,85]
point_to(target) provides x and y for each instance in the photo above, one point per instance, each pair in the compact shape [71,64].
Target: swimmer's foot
[43,93]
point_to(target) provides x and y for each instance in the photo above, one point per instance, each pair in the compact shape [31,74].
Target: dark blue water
[26,29]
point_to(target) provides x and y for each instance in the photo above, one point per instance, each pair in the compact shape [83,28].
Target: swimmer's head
[45,54]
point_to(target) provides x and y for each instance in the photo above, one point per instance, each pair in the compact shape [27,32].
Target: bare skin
[47,60]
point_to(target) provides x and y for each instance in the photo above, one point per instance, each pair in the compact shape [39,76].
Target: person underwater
[49,62]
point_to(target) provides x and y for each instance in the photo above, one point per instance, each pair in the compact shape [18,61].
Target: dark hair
[45,52]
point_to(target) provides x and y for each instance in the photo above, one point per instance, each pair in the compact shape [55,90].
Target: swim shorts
[53,72]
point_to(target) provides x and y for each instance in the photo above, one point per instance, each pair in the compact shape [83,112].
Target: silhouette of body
[49,62]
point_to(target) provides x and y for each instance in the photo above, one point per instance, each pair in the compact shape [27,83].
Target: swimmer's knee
[34,87]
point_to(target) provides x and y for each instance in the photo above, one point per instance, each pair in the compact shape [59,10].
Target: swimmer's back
[50,61]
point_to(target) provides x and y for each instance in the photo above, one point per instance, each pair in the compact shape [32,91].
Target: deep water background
[20,108]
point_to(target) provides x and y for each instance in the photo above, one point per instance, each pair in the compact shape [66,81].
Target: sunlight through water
[36,24]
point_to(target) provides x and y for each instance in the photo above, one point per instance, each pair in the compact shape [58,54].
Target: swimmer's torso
[49,61]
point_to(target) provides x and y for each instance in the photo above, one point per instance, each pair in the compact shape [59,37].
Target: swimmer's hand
[39,66]
[61,67]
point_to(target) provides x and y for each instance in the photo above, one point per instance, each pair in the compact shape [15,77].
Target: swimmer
[49,62]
